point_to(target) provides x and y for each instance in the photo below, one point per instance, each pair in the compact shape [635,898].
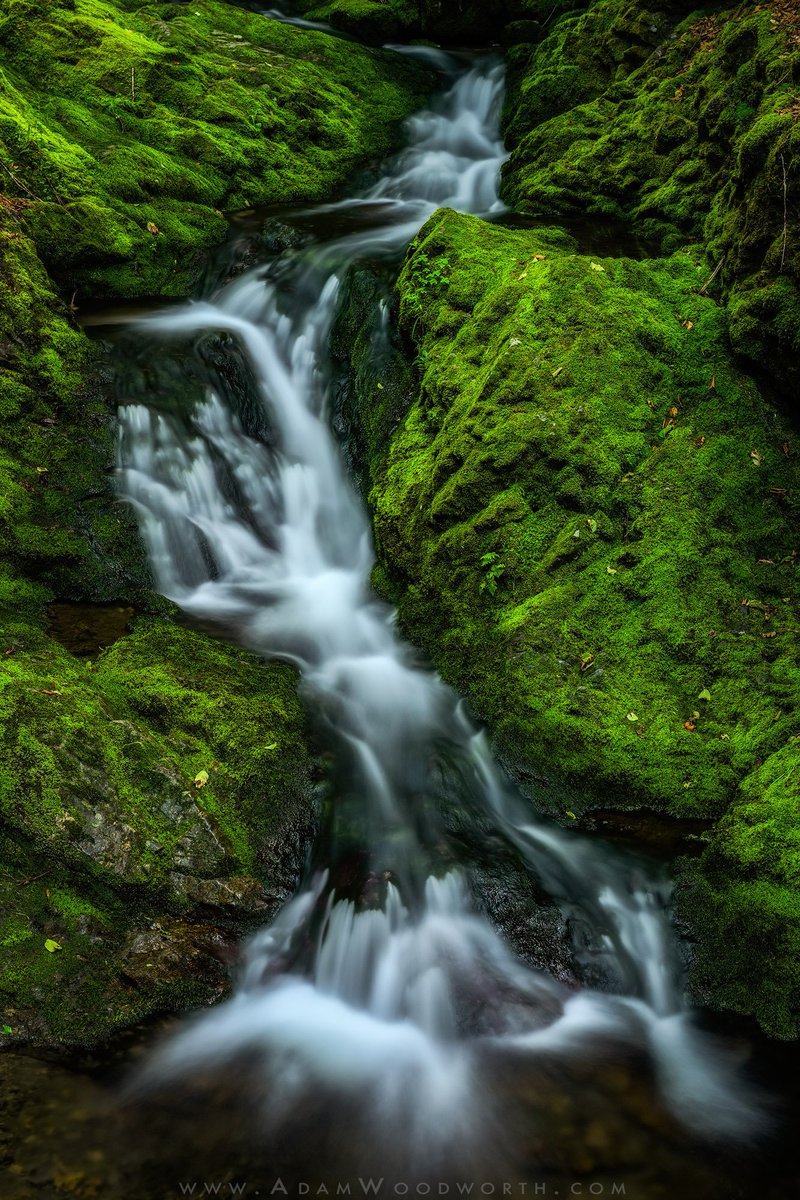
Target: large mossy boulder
[154,804]
[129,127]
[588,518]
[685,126]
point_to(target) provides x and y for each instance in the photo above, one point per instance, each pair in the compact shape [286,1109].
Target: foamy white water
[399,995]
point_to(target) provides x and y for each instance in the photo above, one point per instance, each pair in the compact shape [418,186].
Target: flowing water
[383,992]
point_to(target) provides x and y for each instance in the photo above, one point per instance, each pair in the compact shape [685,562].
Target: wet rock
[171,952]
[241,894]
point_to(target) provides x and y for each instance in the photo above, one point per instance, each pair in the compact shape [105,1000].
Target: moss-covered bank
[588,516]
[686,126]
[127,128]
[153,801]
[107,845]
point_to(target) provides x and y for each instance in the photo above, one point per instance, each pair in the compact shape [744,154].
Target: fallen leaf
[611,570]
[586,661]
[632,716]
[7,1029]
[673,412]
[704,695]
[557,371]
[690,726]
[571,816]
[538,257]
[723,737]
[272,746]
[688,324]
[515,342]
[152,227]
[590,521]
[769,635]
[757,457]
[596,267]
[52,946]
[701,441]
[201,779]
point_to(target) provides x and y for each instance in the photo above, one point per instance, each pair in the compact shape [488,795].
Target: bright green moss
[745,890]
[687,130]
[131,127]
[587,517]
[101,809]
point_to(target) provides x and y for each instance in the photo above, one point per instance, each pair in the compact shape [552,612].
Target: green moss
[130,127]
[454,21]
[746,888]
[101,807]
[582,441]
[686,129]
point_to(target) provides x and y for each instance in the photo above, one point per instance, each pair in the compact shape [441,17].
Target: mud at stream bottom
[590,1126]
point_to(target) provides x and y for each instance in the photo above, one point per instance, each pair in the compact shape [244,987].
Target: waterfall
[398,1001]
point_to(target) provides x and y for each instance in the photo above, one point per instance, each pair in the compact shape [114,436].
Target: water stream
[390,996]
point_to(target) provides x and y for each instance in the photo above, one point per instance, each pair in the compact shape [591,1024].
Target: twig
[133,84]
[713,274]
[785,214]
[32,879]
[18,182]
[549,19]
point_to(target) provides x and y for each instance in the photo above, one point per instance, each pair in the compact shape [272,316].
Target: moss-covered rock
[587,516]
[128,127]
[687,128]
[459,22]
[152,800]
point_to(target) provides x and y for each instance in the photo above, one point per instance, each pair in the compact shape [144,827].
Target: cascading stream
[397,999]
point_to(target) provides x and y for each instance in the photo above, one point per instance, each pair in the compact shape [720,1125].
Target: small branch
[32,879]
[18,183]
[713,275]
[133,84]
[785,214]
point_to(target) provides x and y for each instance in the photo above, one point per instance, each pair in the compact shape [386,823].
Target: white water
[403,998]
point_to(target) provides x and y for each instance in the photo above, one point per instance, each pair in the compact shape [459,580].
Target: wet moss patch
[127,129]
[686,126]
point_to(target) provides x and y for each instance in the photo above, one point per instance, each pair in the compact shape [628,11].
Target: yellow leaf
[571,816]
[596,267]
[272,746]
[557,371]
[51,946]
[611,570]
[632,716]
[152,227]
[704,695]
[201,779]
